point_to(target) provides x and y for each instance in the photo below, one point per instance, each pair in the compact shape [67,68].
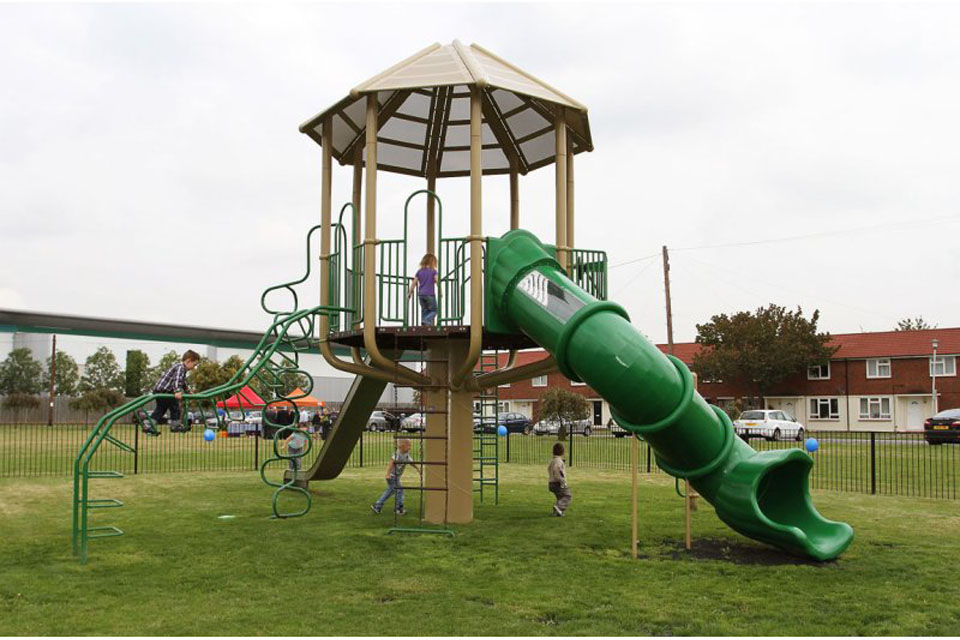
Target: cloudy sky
[151,167]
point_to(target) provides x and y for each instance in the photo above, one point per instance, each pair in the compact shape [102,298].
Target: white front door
[914,415]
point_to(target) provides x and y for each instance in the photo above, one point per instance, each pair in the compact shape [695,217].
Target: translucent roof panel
[424,115]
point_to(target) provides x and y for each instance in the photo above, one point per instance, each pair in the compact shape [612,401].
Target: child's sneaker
[400,512]
[375,509]
[557,512]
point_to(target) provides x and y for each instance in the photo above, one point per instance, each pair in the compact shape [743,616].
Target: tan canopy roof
[424,115]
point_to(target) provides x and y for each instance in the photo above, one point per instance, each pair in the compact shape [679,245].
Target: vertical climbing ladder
[421,459]
[486,442]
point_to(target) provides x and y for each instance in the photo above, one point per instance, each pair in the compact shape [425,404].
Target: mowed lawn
[514,571]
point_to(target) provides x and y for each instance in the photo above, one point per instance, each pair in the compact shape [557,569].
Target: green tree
[913,324]
[135,372]
[67,375]
[18,402]
[761,349]
[562,406]
[97,400]
[101,371]
[20,373]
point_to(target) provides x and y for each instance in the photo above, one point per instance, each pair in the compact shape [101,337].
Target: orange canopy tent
[246,398]
[307,401]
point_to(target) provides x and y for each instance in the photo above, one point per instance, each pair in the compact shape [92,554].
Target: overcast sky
[151,167]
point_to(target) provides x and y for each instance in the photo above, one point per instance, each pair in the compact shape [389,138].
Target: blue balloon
[209,435]
[811,444]
[501,430]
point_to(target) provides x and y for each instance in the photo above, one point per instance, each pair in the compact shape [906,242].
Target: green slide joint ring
[574,323]
[686,397]
[719,459]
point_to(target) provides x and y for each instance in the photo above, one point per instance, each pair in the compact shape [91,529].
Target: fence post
[648,456]
[361,448]
[136,448]
[572,437]
[508,446]
[256,452]
[873,462]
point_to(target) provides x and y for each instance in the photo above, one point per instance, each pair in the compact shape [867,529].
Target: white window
[824,409]
[874,408]
[943,366]
[878,368]
[819,372]
[540,381]
[504,406]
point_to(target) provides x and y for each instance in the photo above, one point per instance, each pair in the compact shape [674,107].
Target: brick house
[874,382]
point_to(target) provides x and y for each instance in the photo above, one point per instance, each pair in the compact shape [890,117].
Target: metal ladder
[422,438]
[486,442]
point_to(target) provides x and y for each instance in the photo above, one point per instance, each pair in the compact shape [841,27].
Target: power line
[821,234]
[807,236]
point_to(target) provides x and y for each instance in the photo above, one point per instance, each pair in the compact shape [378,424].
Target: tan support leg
[459,495]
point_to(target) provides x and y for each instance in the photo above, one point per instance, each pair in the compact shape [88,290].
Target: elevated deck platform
[420,337]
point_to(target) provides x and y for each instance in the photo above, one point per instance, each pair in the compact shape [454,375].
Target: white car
[771,424]
[414,422]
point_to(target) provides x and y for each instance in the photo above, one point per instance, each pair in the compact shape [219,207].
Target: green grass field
[514,571]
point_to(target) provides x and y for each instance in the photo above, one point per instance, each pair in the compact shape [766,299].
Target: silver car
[552,427]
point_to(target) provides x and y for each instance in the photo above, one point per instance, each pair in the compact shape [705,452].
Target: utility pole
[53,377]
[666,284]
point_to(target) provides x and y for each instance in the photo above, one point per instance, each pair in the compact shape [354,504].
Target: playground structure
[459,111]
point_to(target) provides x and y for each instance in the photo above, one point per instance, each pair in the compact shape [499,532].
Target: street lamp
[933,373]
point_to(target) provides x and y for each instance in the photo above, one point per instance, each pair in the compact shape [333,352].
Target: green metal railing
[588,269]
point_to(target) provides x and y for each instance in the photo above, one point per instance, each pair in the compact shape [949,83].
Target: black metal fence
[900,464]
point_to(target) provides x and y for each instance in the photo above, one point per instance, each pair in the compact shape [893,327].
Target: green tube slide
[764,496]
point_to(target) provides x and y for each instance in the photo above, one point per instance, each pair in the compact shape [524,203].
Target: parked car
[768,423]
[552,427]
[616,429]
[943,427]
[414,422]
[381,421]
[514,422]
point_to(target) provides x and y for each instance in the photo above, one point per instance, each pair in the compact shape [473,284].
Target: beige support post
[635,472]
[370,257]
[431,215]
[356,367]
[460,446]
[476,248]
[561,168]
[514,195]
[356,235]
[570,242]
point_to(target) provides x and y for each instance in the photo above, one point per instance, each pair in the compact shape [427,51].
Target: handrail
[439,231]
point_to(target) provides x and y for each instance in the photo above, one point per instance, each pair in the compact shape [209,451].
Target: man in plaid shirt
[174,380]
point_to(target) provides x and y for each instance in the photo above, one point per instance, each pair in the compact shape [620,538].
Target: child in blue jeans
[398,463]
[424,284]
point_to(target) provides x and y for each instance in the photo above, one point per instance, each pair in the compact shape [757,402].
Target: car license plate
[941,426]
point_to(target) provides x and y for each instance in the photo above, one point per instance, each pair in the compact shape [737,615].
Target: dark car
[514,422]
[943,427]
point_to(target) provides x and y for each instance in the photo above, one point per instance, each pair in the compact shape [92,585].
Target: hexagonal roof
[424,115]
